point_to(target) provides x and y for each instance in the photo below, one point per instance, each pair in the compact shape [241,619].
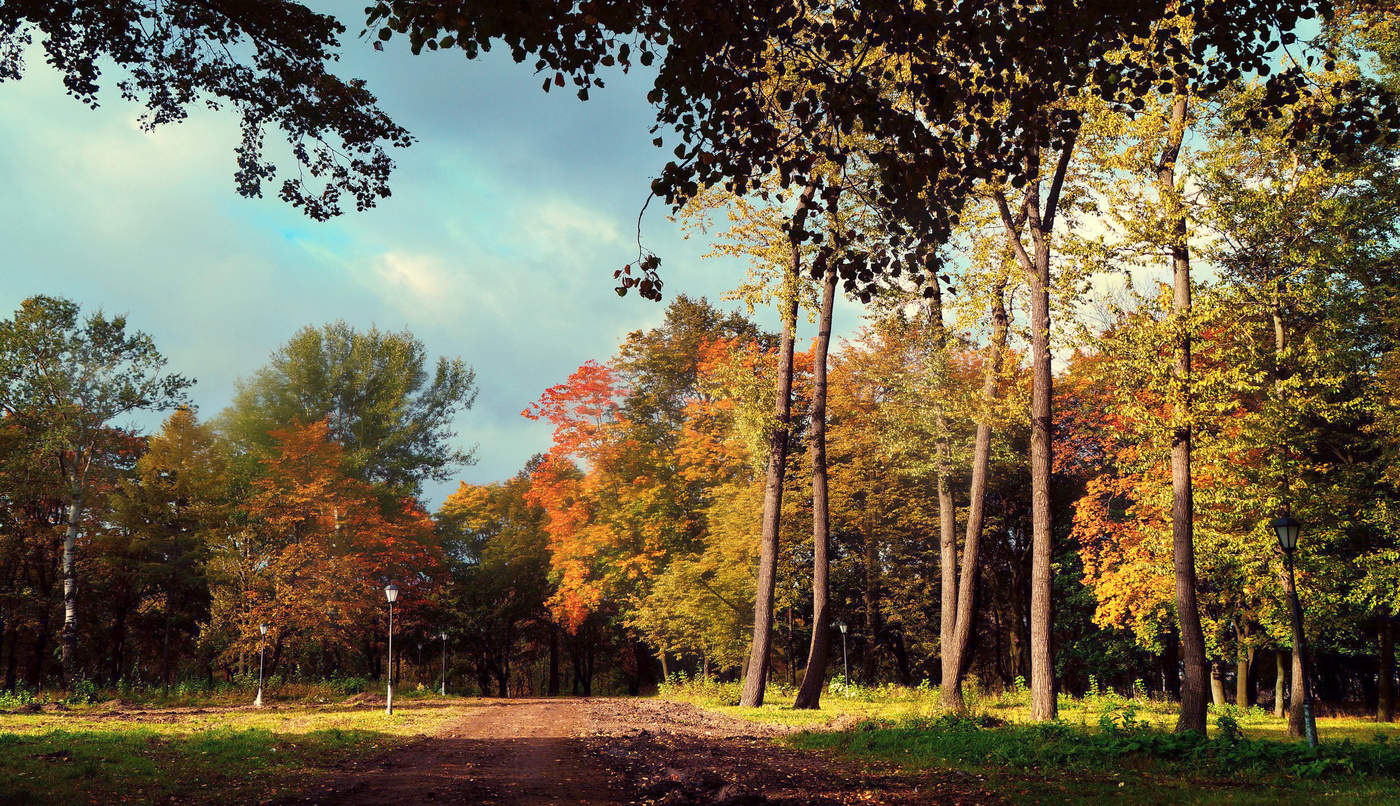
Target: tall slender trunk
[809,696]
[165,652]
[1280,678]
[1242,678]
[1296,718]
[956,657]
[1192,716]
[871,596]
[68,636]
[1171,664]
[41,649]
[553,689]
[118,639]
[11,657]
[1043,704]
[1385,689]
[1217,684]
[947,524]
[1037,268]
[761,649]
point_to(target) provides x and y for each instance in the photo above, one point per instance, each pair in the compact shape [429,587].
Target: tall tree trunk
[69,634]
[118,643]
[871,595]
[1043,704]
[1217,684]
[553,689]
[1297,725]
[1171,660]
[11,657]
[947,523]
[1296,717]
[1242,678]
[1280,678]
[809,696]
[41,648]
[1385,689]
[165,653]
[956,657]
[1037,267]
[760,651]
[1193,704]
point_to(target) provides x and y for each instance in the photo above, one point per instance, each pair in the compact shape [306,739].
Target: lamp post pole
[262,645]
[391,592]
[443,689]
[1286,529]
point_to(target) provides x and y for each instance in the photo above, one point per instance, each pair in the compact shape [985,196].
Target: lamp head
[1286,529]
[841,625]
[391,592]
[262,628]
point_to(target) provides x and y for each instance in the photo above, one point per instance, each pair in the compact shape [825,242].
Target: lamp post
[1286,529]
[391,592]
[443,689]
[845,661]
[262,644]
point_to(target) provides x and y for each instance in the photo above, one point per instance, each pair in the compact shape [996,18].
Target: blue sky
[507,220]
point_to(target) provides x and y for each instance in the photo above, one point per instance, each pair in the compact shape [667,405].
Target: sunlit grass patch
[228,755]
[1104,748]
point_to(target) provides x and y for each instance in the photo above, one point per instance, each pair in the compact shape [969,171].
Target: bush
[13,700]
[83,692]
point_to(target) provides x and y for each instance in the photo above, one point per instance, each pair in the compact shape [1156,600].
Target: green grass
[1104,749]
[192,756]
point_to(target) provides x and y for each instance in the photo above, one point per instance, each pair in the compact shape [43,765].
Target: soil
[611,752]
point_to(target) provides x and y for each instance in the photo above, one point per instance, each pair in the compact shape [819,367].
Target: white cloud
[565,224]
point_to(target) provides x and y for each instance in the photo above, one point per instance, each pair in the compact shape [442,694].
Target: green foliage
[1121,742]
[391,411]
[82,692]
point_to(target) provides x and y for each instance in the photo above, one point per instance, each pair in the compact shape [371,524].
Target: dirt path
[611,752]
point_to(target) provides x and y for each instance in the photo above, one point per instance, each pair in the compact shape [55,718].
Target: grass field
[1104,749]
[122,753]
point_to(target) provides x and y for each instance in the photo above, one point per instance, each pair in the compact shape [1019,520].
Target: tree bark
[871,599]
[947,523]
[1385,690]
[761,649]
[553,688]
[1171,670]
[1037,267]
[1242,678]
[1043,704]
[1217,684]
[1296,718]
[1193,704]
[809,695]
[69,633]
[1280,678]
[956,659]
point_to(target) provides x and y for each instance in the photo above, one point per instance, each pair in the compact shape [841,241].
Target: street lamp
[1286,529]
[845,662]
[262,644]
[391,592]
[443,689]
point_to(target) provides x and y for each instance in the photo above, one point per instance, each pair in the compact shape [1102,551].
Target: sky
[507,219]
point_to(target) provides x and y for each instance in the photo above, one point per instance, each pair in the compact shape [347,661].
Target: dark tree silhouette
[265,59]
